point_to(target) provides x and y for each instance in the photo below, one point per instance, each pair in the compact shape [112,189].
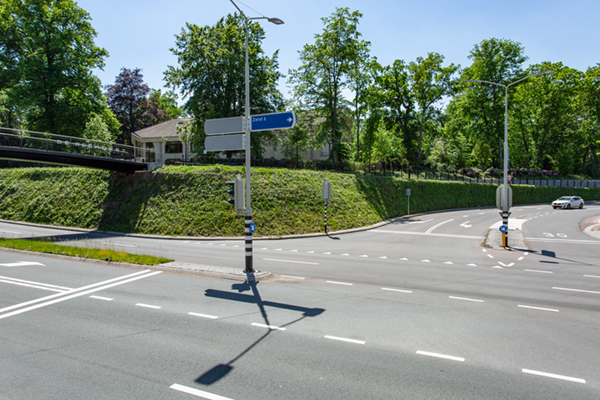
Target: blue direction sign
[269,122]
[252,227]
[503,228]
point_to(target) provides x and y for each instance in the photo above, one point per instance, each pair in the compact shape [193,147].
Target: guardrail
[68,144]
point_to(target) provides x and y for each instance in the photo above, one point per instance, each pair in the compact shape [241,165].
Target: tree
[211,73]
[325,73]
[297,139]
[494,60]
[127,98]
[47,53]
[430,83]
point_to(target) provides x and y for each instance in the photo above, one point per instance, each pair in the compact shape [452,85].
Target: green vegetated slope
[192,201]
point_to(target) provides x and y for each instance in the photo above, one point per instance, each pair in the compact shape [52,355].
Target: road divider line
[38,285]
[539,271]
[437,355]
[339,283]
[148,306]
[341,339]
[437,226]
[539,308]
[396,290]
[271,327]
[290,261]
[80,292]
[555,376]
[576,290]
[466,299]
[101,298]
[197,393]
[592,276]
[71,291]
[203,315]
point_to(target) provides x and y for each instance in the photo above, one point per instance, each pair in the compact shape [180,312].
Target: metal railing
[68,144]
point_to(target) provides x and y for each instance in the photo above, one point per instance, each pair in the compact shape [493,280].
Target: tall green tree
[325,72]
[211,74]
[47,54]
[430,82]
[494,60]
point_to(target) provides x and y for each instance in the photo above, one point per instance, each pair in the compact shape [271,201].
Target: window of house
[173,147]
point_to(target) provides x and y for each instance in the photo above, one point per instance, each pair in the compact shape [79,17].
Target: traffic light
[237,191]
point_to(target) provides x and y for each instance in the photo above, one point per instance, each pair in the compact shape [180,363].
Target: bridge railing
[68,144]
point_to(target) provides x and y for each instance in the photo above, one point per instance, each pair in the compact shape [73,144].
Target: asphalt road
[417,309]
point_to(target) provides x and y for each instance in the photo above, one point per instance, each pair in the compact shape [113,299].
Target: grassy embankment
[192,201]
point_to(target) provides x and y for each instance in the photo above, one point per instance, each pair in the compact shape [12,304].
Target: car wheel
[581,205]
[568,206]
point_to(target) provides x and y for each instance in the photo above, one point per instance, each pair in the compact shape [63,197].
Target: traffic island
[213,271]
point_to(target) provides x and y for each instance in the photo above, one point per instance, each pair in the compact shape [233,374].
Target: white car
[568,202]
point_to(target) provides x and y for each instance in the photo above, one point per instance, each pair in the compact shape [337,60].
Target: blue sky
[138,34]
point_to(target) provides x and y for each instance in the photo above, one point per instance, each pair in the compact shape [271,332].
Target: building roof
[166,129]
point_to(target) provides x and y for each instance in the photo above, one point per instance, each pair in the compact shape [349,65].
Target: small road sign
[225,142]
[269,122]
[503,228]
[223,126]
[252,227]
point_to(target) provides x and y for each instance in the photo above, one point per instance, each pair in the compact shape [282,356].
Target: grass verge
[96,254]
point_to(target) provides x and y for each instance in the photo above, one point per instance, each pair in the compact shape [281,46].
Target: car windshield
[565,198]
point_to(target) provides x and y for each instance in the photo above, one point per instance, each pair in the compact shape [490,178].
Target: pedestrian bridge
[22,145]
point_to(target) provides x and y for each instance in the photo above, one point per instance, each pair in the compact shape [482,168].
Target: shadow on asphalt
[221,370]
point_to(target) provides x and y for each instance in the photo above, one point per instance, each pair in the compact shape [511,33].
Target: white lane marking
[466,224]
[447,357]
[437,226]
[592,276]
[35,285]
[471,265]
[346,254]
[290,261]
[576,290]
[520,258]
[364,255]
[396,290]
[197,393]
[327,252]
[271,327]
[552,240]
[403,259]
[555,376]
[510,265]
[466,299]
[539,308]
[423,233]
[339,283]
[539,271]
[293,251]
[449,263]
[278,249]
[425,261]
[79,292]
[513,224]
[490,256]
[484,250]
[203,315]
[292,277]
[148,306]
[341,339]
[420,222]
[21,264]
[310,252]
[383,257]
[101,298]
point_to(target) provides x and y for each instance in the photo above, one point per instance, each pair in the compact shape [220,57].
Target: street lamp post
[505,206]
[247,127]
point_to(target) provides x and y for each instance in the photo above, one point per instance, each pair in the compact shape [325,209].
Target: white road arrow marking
[21,264]
[465,224]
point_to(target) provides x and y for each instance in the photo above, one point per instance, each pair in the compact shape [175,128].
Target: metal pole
[248,218]
[505,200]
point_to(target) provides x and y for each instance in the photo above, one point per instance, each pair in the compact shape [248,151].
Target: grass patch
[96,254]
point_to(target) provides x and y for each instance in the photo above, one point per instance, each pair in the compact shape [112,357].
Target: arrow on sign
[21,264]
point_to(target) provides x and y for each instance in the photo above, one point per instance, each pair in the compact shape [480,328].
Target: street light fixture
[505,205]
[248,217]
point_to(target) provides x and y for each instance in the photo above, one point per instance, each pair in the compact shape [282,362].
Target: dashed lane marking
[203,315]
[538,308]
[101,298]
[539,271]
[271,327]
[339,283]
[466,299]
[148,306]
[290,261]
[555,376]
[341,339]
[197,393]
[437,355]
[396,290]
